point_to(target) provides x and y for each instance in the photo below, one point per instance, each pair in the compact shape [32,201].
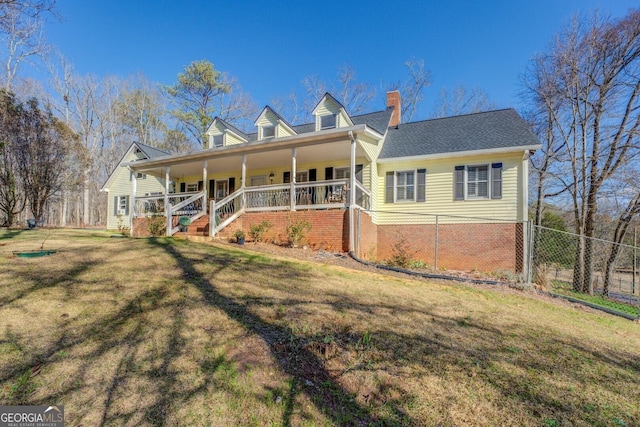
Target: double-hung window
[405,186]
[478,181]
[121,205]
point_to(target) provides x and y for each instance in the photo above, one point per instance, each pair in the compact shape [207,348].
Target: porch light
[271,176]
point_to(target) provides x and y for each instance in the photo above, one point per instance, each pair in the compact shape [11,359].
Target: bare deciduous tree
[412,88]
[461,100]
[594,82]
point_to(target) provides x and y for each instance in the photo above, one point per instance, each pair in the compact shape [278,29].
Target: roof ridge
[459,115]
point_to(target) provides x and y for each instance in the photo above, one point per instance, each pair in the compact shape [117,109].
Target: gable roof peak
[326,96]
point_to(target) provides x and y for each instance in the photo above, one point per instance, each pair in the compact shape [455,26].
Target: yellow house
[360,181]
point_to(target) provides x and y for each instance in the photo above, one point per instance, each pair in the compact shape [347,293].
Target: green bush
[401,256]
[257,231]
[157,225]
[297,230]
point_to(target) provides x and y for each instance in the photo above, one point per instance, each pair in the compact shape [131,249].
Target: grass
[168,332]
[564,288]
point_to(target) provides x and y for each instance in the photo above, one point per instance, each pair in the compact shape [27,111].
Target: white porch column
[204,186]
[292,198]
[243,181]
[167,206]
[352,193]
[134,191]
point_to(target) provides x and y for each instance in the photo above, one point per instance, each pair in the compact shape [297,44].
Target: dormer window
[328,121]
[218,140]
[268,131]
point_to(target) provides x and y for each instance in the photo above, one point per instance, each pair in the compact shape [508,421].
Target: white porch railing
[363,197]
[191,205]
[225,211]
[307,195]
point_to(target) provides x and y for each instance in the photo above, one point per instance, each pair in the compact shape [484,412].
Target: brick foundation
[482,247]
[329,228]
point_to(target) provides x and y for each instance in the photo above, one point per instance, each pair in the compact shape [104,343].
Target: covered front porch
[286,174]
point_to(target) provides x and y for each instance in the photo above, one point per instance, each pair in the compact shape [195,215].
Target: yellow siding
[372,148]
[440,190]
[282,131]
[121,185]
[231,139]
[329,106]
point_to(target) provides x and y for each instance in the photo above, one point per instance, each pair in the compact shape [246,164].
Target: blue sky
[271,46]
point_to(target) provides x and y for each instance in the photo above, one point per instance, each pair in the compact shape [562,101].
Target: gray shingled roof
[471,132]
[233,128]
[378,120]
[151,152]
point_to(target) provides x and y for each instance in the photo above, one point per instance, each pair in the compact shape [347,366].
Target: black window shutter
[359,169]
[422,185]
[388,187]
[115,205]
[312,175]
[286,177]
[183,187]
[200,185]
[496,180]
[212,188]
[232,185]
[126,205]
[328,173]
[459,183]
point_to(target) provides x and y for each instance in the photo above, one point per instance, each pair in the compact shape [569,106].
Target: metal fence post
[529,267]
[435,256]
[635,261]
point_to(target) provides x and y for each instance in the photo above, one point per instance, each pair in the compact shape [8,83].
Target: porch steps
[199,227]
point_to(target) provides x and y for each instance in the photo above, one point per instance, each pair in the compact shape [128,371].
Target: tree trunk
[63,209]
[85,206]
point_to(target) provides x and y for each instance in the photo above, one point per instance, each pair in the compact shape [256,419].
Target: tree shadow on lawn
[307,371]
[439,348]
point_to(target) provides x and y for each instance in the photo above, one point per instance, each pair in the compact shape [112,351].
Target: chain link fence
[506,251]
[560,262]
[453,245]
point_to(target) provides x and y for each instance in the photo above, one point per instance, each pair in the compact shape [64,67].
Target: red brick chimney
[393,100]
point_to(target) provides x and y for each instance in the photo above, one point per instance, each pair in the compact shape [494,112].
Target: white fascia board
[286,126]
[272,144]
[120,164]
[455,154]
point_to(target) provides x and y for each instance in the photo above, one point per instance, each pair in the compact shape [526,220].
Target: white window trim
[302,172]
[262,128]
[335,122]
[466,182]
[415,186]
[213,140]
[187,187]
[122,205]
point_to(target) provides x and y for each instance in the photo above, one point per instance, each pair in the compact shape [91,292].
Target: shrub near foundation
[258,231]
[297,230]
